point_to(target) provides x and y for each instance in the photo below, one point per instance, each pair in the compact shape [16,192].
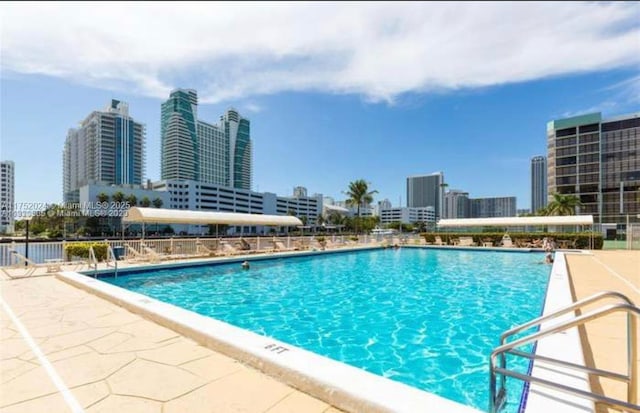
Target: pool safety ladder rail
[497,396]
[110,260]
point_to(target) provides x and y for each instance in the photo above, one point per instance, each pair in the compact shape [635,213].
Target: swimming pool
[424,317]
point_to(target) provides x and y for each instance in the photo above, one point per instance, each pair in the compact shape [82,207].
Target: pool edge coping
[543,399]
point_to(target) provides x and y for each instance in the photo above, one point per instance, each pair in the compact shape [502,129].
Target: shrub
[81,249]
[581,239]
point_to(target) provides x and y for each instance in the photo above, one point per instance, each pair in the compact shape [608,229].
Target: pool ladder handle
[496,401]
[111,257]
[93,261]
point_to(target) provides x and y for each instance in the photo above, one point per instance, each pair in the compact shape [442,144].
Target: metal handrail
[93,261]
[112,255]
[572,307]
[581,303]
[631,378]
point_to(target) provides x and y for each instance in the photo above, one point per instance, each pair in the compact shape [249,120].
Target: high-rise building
[196,150]
[7,196]
[106,149]
[493,207]
[597,160]
[299,192]
[407,215]
[538,183]
[456,204]
[426,190]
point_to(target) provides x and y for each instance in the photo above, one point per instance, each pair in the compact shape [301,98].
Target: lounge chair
[25,267]
[227,249]
[202,249]
[279,246]
[30,267]
[466,242]
[135,256]
[506,241]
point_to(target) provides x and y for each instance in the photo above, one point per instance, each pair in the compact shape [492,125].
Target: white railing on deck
[41,251]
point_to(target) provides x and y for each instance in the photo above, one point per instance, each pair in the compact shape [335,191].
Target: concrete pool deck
[604,340]
[111,359]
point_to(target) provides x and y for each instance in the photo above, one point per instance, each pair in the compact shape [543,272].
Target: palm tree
[118,197]
[563,204]
[157,202]
[102,197]
[132,200]
[145,202]
[359,195]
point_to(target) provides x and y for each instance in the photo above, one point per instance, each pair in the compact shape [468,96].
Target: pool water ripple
[428,318]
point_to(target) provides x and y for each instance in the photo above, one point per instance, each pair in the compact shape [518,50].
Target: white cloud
[378,50]
[252,107]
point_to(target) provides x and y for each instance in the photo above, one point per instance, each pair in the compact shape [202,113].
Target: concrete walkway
[604,340]
[105,359]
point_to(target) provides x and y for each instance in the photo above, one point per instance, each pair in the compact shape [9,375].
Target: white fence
[41,251]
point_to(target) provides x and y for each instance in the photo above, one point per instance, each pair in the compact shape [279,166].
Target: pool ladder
[498,395]
[111,258]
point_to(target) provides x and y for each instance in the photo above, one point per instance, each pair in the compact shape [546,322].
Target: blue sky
[387,93]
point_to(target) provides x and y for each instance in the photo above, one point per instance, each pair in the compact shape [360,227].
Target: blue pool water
[425,317]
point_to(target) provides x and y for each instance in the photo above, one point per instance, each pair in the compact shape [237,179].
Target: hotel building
[493,207]
[426,190]
[597,160]
[107,149]
[199,151]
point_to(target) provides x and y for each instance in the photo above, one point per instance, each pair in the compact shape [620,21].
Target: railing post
[632,357]
[492,385]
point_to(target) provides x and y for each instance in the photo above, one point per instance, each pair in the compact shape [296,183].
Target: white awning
[181,216]
[517,221]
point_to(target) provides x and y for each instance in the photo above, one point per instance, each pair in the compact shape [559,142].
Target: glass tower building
[107,149]
[426,190]
[597,160]
[538,183]
[200,151]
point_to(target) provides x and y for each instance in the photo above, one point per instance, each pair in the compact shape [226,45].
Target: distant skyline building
[426,190]
[106,149]
[299,192]
[7,196]
[598,161]
[493,207]
[192,149]
[456,204]
[538,183]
